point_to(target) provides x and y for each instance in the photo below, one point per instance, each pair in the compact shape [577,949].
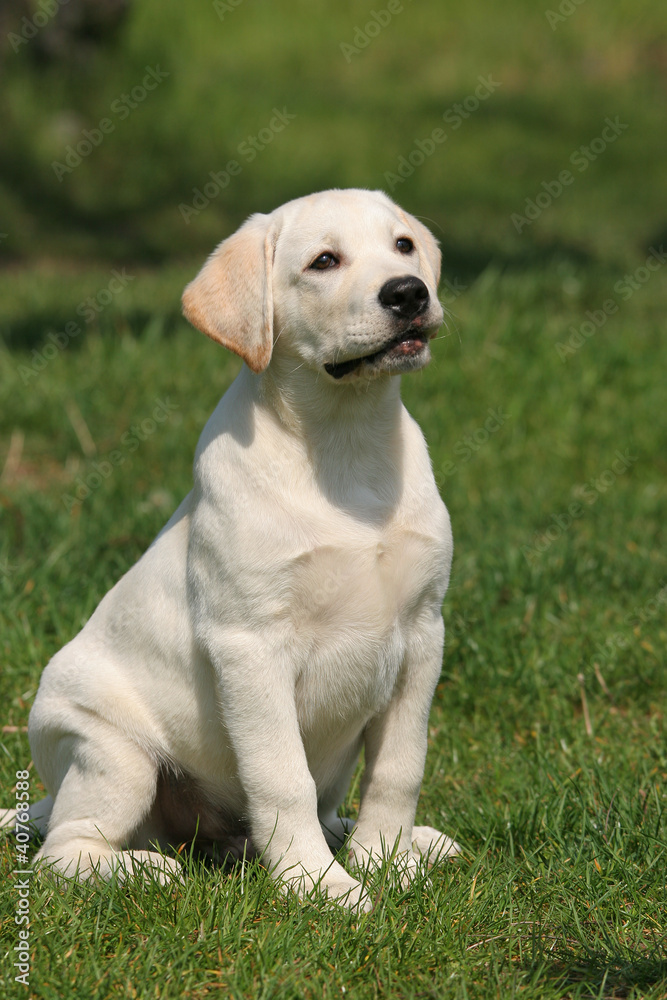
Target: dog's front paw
[427,847]
[333,883]
[432,845]
[370,854]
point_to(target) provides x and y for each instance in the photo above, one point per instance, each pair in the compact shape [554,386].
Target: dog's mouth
[408,344]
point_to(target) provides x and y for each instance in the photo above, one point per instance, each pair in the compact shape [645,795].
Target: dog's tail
[39,814]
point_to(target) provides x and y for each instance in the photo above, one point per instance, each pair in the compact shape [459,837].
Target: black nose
[406,297]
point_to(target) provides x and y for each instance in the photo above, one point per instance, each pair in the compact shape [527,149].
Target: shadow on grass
[608,978]
[33,331]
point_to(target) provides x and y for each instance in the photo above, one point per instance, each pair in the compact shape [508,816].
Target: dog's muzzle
[407,299]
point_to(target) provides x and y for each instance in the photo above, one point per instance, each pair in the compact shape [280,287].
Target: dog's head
[343,281]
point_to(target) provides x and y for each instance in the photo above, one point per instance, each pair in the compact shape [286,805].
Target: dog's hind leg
[107,791]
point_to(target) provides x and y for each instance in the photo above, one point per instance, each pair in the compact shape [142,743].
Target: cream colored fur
[290,611]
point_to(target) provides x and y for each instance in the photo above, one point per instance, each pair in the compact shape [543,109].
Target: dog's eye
[404,245]
[323,261]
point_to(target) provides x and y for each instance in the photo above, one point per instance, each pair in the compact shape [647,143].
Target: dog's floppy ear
[231,298]
[427,245]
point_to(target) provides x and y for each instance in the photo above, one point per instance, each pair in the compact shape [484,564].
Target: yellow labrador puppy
[289,613]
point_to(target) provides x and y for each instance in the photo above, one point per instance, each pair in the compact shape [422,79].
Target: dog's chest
[354,609]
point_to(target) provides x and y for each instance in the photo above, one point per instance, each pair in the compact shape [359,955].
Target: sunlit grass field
[543,408]
[562,883]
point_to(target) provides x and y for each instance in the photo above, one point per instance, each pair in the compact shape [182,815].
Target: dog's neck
[312,406]
[351,432]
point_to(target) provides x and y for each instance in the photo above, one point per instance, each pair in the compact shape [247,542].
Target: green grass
[561,889]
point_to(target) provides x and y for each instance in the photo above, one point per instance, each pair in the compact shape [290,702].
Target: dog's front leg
[259,710]
[395,746]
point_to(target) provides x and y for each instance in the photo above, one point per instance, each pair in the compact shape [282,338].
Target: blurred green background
[364,83]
